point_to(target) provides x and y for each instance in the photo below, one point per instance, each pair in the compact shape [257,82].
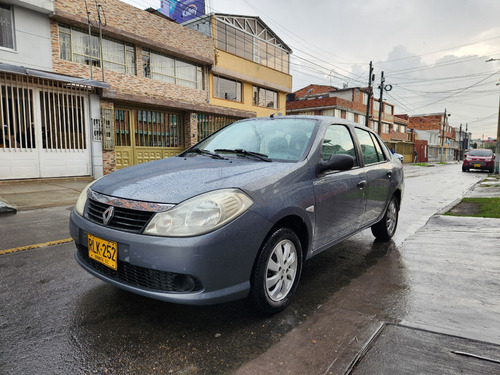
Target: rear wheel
[464,169]
[385,228]
[277,271]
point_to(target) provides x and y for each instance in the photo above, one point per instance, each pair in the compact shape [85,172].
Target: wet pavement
[436,285]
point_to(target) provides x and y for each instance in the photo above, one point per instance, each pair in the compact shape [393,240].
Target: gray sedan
[237,215]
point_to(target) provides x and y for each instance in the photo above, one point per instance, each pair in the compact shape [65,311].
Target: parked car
[237,214]
[399,157]
[479,159]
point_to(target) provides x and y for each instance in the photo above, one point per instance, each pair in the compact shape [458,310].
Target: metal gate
[44,128]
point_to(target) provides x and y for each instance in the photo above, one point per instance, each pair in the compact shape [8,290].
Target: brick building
[77,108]
[441,137]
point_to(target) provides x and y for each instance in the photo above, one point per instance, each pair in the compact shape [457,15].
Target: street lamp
[497,151]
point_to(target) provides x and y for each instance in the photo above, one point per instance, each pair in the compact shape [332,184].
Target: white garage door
[45,130]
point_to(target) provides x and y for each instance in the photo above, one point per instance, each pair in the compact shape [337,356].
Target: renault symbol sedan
[239,213]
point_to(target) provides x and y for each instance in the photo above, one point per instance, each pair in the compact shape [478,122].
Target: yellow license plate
[105,252]
[477,165]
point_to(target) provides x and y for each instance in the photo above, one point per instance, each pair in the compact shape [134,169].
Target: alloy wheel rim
[281,270]
[392,216]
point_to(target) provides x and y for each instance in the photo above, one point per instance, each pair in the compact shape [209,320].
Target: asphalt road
[57,319]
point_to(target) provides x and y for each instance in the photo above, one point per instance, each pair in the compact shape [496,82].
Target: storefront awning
[15,69]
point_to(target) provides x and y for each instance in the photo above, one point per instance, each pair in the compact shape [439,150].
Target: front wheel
[277,271]
[385,228]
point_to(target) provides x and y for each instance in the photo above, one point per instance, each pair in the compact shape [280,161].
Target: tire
[464,169]
[276,272]
[385,228]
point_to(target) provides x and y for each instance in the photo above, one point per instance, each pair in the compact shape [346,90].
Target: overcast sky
[432,52]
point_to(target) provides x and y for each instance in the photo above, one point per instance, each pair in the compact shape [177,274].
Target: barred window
[158,129]
[169,69]
[265,98]
[117,56]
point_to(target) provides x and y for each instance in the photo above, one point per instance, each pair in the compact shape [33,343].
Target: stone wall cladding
[140,27]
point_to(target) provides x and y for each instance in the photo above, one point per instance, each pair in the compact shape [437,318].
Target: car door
[339,195]
[378,172]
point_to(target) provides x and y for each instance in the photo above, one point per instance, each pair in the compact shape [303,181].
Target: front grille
[143,278]
[125,219]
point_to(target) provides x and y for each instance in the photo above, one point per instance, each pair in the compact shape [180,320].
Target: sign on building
[183,10]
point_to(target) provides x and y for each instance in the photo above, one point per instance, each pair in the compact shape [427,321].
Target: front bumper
[207,269]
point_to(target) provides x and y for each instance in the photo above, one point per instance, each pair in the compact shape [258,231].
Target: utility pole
[460,143]
[380,104]
[370,94]
[442,136]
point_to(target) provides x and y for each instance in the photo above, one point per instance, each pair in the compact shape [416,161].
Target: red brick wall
[313,90]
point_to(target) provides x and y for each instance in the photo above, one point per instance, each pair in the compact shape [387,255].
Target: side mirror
[338,162]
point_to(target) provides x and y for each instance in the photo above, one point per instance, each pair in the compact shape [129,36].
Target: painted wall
[32,40]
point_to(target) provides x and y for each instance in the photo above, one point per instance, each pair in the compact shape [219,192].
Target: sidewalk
[23,195]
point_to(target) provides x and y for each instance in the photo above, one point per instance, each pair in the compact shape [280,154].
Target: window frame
[10,9]
[256,97]
[70,52]
[238,88]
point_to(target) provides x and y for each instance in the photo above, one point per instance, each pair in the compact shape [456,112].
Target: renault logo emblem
[108,215]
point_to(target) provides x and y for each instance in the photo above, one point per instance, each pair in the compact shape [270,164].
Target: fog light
[184,283]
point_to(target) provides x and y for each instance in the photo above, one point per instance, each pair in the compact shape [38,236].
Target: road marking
[35,246]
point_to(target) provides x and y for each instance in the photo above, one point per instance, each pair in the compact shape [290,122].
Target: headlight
[82,199]
[201,214]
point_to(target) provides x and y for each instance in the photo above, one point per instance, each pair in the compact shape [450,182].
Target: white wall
[32,40]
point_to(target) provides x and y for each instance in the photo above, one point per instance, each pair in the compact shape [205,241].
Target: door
[378,174]
[339,195]
[44,130]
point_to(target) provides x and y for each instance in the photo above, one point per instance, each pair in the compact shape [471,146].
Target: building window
[365,98]
[250,41]
[227,89]
[265,98]
[388,109]
[208,124]
[169,69]
[117,56]
[361,119]
[6,27]
[350,116]
[158,129]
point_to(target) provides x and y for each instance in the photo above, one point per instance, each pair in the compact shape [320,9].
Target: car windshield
[277,139]
[480,153]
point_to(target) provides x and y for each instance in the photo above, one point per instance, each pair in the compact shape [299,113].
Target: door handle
[362,184]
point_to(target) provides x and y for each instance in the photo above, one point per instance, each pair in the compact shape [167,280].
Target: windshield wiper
[241,151]
[212,154]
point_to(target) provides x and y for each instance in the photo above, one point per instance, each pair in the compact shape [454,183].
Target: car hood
[176,179]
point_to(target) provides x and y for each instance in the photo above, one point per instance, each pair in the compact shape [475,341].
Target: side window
[378,148]
[370,154]
[338,140]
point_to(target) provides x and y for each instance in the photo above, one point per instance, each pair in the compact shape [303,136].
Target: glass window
[371,148]
[246,42]
[6,26]
[117,56]
[337,141]
[227,89]
[168,69]
[265,98]
[282,139]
